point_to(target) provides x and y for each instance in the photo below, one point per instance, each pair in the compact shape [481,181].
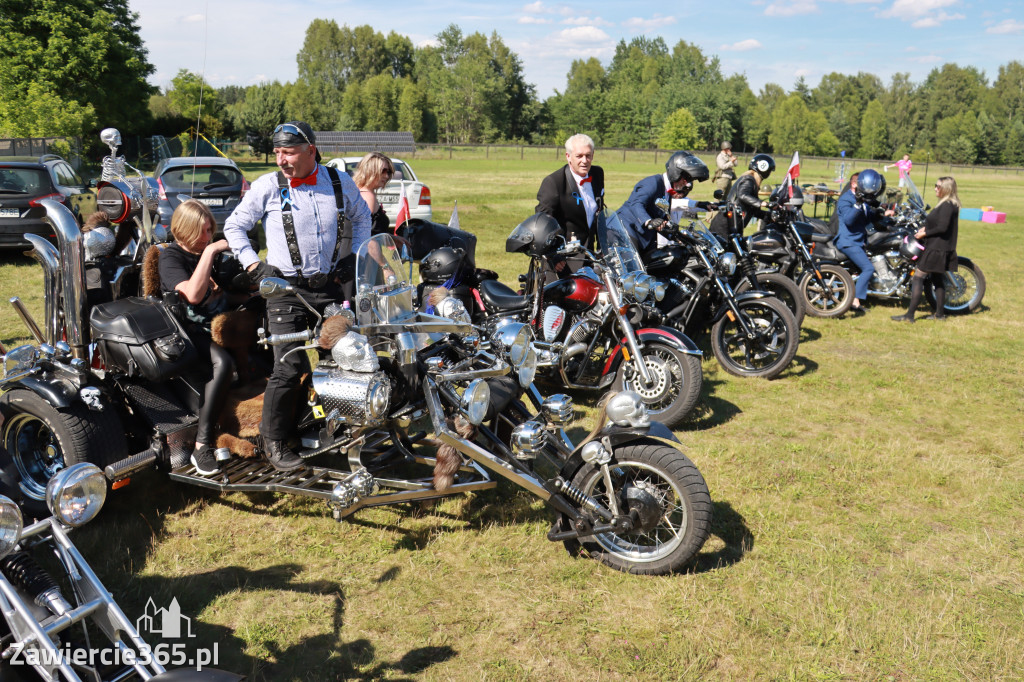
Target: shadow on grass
[710,411]
[808,335]
[730,526]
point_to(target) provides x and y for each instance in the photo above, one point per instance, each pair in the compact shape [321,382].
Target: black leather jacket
[744,194]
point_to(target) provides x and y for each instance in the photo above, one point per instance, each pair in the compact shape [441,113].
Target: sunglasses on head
[292,129]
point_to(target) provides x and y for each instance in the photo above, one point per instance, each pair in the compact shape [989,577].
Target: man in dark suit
[573,195]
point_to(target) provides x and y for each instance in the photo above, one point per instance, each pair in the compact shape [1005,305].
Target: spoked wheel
[769,349]
[782,288]
[662,489]
[676,380]
[964,289]
[834,298]
[39,440]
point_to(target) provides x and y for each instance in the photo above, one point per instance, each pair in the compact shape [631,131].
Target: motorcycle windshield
[383,292]
[914,197]
[616,246]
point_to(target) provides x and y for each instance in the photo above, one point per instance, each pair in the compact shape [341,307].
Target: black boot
[281,456]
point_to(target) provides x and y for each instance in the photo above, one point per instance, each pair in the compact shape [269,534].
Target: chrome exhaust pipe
[72,275]
[23,313]
[49,259]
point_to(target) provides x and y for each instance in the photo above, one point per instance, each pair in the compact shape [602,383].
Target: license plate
[388,198]
[211,201]
[9,213]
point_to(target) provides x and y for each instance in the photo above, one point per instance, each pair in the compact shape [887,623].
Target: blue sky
[242,42]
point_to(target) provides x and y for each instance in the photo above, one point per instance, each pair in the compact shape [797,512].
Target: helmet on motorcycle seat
[685,164]
[910,248]
[762,164]
[870,186]
[535,236]
[441,264]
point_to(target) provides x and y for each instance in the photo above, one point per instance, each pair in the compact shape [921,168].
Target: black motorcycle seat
[497,296]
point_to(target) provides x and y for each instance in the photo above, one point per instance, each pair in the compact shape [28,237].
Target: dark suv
[213,180]
[27,180]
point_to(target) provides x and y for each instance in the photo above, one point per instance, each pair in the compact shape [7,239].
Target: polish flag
[403,210]
[794,172]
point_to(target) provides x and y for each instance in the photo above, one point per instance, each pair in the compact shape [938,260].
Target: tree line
[69,67]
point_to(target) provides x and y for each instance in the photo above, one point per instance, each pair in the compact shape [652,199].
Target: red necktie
[585,181]
[308,180]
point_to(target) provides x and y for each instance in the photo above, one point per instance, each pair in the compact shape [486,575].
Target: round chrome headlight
[378,398]
[528,370]
[475,400]
[76,494]
[453,309]
[513,340]
[10,526]
[628,283]
[643,286]
[727,264]
[659,290]
[558,409]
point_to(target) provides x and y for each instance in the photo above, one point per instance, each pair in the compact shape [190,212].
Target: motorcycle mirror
[274,287]
[663,203]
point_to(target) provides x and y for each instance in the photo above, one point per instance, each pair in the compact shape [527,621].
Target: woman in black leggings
[185,267]
[939,238]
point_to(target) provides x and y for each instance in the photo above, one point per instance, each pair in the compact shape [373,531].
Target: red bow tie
[585,180]
[672,192]
[308,180]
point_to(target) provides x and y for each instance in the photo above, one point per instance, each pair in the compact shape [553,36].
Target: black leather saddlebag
[141,338]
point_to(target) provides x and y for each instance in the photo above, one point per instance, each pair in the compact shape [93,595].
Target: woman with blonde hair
[938,236]
[186,268]
[375,170]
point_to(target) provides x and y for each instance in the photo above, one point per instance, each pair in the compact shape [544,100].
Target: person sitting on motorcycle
[856,209]
[640,213]
[186,267]
[744,194]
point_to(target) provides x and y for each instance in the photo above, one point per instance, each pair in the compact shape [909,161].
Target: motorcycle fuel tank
[575,294]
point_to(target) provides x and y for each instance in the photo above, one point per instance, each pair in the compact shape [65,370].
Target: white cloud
[533,20]
[742,46]
[655,22]
[1006,26]
[789,8]
[535,7]
[911,10]
[586,21]
[193,19]
[932,22]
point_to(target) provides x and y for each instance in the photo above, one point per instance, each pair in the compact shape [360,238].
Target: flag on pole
[453,222]
[403,210]
[794,172]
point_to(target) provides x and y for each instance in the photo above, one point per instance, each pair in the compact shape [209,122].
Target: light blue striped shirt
[316,224]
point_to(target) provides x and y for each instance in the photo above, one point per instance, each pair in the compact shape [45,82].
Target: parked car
[214,180]
[391,195]
[27,180]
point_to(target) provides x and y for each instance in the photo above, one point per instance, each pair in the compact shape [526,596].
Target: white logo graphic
[164,622]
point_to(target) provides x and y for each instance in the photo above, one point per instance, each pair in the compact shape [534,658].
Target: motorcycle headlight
[10,526]
[659,290]
[475,400]
[513,340]
[76,494]
[453,309]
[378,399]
[558,409]
[727,264]
[528,440]
[643,286]
[628,283]
[528,370]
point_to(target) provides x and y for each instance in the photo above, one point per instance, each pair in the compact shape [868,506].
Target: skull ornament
[112,138]
[353,352]
[625,408]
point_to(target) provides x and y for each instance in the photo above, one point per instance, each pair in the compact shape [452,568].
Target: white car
[390,197]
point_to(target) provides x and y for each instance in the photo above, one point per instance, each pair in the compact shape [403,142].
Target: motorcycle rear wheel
[769,353]
[782,288]
[835,298]
[964,289]
[39,440]
[665,486]
[676,386]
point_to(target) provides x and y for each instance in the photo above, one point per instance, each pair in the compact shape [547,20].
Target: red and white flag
[794,172]
[403,210]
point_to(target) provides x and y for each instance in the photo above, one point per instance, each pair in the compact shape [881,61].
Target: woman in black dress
[939,238]
[185,267]
[374,172]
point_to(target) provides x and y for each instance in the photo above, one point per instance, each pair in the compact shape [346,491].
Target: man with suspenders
[302,207]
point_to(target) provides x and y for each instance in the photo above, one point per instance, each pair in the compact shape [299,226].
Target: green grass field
[868,521]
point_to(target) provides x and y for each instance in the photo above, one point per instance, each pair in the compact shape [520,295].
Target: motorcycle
[893,251]
[52,604]
[590,323]
[116,382]
[753,334]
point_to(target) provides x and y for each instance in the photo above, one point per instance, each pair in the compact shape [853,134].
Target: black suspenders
[288,221]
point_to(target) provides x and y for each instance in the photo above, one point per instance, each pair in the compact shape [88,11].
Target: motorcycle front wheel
[676,380]
[769,352]
[834,298]
[39,440]
[964,289]
[669,497]
[781,287]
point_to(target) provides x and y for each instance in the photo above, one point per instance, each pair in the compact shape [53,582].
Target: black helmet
[685,163]
[870,186]
[910,248]
[441,264]
[535,236]
[797,199]
[763,164]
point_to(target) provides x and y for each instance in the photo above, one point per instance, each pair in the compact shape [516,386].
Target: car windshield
[383,292]
[188,178]
[14,180]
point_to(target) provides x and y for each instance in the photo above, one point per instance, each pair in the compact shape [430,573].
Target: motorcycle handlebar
[282,339]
